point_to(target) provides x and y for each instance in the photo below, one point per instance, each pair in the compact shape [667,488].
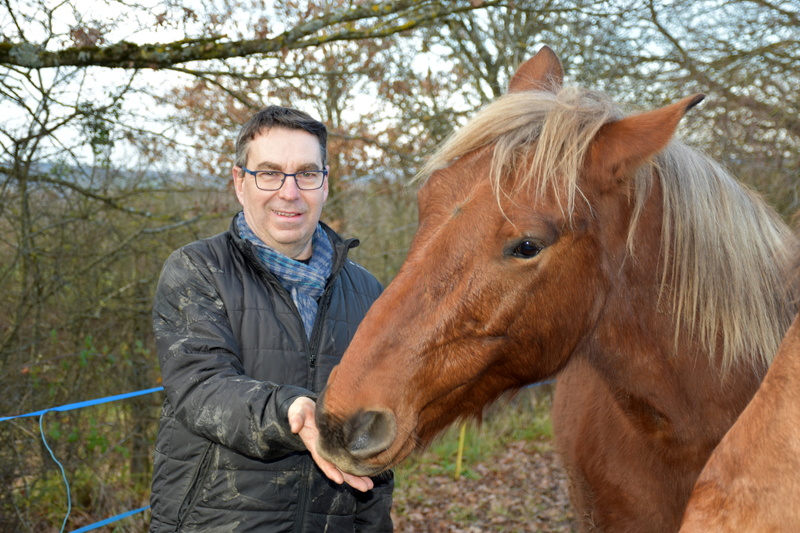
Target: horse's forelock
[726,250]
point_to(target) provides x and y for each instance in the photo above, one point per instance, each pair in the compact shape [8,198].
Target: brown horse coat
[752,480]
[558,236]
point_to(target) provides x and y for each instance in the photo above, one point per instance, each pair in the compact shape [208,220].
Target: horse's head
[522,234]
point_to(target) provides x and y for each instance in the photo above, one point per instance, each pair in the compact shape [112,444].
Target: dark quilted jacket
[228,334]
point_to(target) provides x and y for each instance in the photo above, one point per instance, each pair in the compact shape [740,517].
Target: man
[248,326]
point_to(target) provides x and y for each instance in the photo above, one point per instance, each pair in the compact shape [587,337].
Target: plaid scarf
[305,283]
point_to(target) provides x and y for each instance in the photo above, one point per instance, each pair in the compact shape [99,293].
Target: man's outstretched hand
[302,422]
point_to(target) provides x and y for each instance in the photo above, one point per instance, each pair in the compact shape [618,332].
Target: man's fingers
[301,420]
[332,473]
[337,476]
[359,483]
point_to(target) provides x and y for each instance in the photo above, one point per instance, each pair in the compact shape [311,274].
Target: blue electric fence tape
[87,403]
[70,407]
[110,520]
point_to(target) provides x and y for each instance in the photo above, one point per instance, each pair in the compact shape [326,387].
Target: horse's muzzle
[353,442]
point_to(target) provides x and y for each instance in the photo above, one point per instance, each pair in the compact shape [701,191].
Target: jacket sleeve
[202,374]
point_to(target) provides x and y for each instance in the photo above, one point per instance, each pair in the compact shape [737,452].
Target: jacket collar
[340,248]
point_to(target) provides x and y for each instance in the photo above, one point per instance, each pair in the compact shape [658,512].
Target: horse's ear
[541,72]
[627,143]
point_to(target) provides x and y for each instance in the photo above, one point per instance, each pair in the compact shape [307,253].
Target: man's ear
[325,184]
[237,175]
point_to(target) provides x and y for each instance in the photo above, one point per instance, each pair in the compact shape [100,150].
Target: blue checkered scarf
[305,283]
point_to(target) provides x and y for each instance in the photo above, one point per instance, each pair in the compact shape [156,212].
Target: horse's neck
[676,386]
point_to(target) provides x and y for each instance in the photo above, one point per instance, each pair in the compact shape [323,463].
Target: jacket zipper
[316,333]
[314,344]
[339,260]
[311,343]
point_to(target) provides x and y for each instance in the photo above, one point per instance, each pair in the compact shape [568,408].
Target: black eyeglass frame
[286,175]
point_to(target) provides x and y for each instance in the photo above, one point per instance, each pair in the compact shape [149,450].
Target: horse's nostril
[369,433]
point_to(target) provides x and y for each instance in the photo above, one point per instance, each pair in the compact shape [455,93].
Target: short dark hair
[279,117]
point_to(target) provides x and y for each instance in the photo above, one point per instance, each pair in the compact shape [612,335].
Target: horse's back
[617,480]
[752,480]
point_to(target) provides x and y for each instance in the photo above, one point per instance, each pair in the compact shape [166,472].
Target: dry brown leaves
[522,490]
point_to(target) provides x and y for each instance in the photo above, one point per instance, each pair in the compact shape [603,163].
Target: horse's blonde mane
[726,251]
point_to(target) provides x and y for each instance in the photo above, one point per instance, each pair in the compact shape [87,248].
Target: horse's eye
[527,249]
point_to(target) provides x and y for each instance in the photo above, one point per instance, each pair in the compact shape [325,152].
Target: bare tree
[339,21]
[743,54]
[101,177]
[116,132]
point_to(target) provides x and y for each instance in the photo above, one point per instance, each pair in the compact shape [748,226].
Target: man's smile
[287,213]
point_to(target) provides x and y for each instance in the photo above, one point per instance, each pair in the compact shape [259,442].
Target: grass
[525,416]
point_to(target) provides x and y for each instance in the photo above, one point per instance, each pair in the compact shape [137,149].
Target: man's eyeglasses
[272,180]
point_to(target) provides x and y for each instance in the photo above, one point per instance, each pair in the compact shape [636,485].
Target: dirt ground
[522,490]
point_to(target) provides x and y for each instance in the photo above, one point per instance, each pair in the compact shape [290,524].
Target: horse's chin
[368,466]
[359,468]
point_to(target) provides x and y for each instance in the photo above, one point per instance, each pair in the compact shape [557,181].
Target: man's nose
[289,188]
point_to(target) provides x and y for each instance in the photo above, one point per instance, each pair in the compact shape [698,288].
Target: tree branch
[408,14]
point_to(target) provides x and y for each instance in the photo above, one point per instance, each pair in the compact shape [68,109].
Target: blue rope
[70,407]
[63,474]
[88,403]
[107,521]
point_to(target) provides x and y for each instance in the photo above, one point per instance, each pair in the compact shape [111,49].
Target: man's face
[284,219]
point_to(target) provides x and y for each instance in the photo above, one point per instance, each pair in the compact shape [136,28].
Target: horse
[752,480]
[559,236]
